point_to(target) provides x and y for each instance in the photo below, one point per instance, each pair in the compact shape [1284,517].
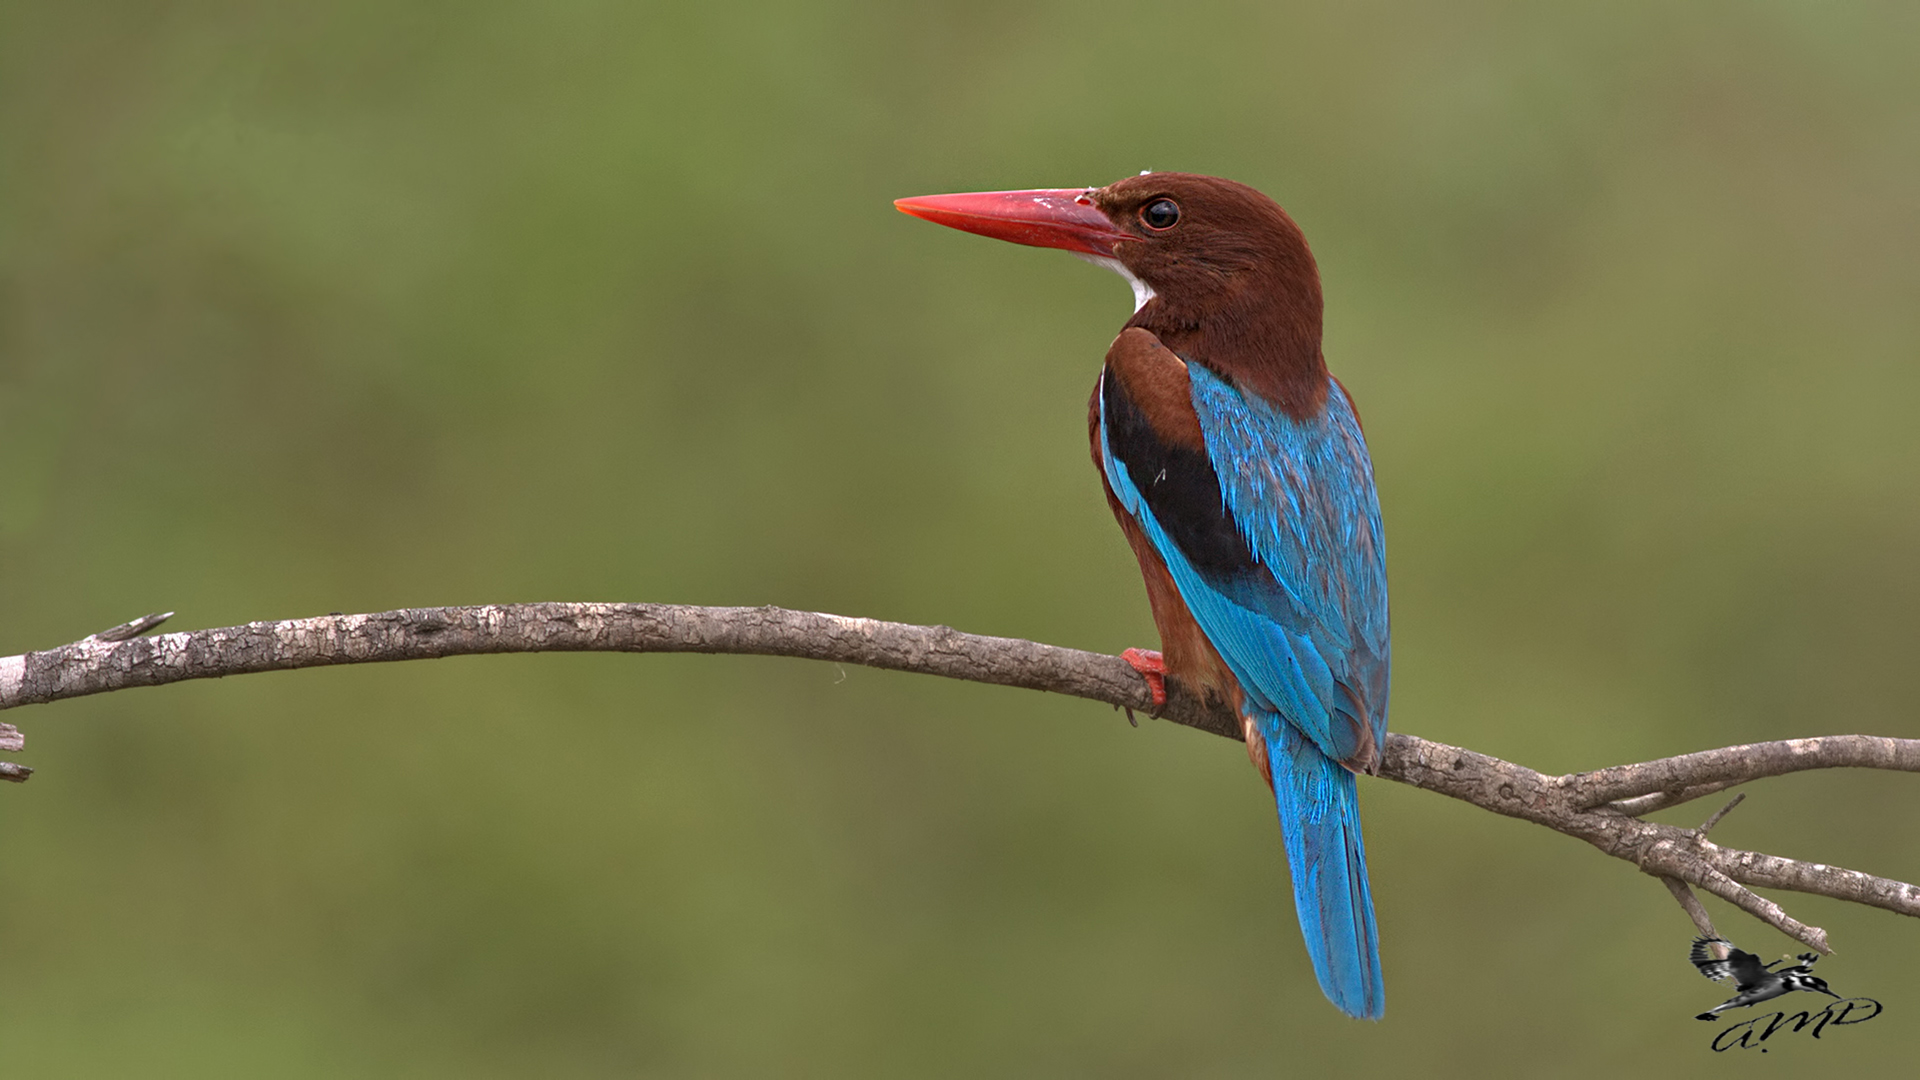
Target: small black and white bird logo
[1717,959]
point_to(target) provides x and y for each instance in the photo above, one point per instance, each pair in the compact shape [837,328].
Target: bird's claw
[1153,668]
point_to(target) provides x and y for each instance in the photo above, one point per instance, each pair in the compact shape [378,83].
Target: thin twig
[1600,807]
[1690,904]
[1763,909]
[12,742]
[133,628]
[1707,826]
[1733,764]
[1661,800]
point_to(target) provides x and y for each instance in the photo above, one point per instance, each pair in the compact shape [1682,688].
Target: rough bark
[1601,807]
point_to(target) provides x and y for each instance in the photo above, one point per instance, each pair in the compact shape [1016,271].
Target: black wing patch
[1718,959]
[1710,956]
[1180,487]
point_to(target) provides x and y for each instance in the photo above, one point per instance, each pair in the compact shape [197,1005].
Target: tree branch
[1690,904]
[1601,807]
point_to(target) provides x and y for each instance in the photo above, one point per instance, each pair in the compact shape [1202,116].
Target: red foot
[1153,668]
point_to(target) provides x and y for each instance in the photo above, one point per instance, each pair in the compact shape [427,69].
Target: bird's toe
[1153,668]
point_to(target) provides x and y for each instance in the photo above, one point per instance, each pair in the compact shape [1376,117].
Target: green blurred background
[347,307]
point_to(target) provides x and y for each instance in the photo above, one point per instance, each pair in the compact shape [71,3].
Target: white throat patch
[1142,292]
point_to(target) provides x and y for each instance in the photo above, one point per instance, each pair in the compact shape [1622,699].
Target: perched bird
[1236,467]
[1718,960]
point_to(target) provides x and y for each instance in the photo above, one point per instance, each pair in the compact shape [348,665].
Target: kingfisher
[1753,981]
[1236,466]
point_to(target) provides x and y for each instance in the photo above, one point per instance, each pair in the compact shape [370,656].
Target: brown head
[1221,274]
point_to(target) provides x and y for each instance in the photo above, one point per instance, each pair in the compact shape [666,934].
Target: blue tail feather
[1320,822]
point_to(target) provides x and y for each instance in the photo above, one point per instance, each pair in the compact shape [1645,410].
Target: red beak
[1055,218]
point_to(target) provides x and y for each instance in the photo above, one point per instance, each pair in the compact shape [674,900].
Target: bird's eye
[1160,215]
